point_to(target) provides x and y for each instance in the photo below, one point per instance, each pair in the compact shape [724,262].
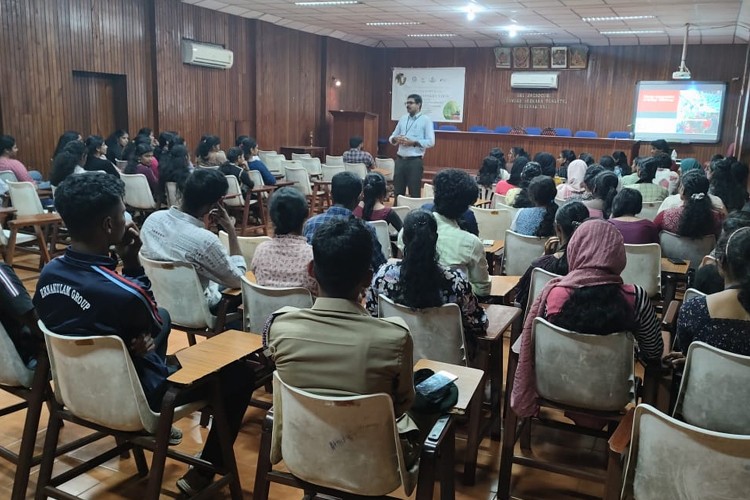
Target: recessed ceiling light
[431,35]
[631,32]
[330,3]
[614,18]
[394,23]
[536,34]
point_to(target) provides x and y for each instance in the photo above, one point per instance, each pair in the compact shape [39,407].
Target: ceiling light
[330,3]
[631,32]
[512,32]
[535,34]
[614,18]
[431,35]
[394,23]
[470,15]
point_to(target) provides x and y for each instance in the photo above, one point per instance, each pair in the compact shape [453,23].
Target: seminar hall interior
[548,200]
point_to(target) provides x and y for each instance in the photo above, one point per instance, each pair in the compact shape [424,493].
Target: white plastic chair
[359,169]
[8,176]
[428,190]
[539,278]
[24,198]
[715,390]
[412,203]
[234,197]
[301,180]
[402,212]
[384,238]
[264,155]
[520,252]
[643,267]
[274,164]
[498,201]
[512,210]
[387,165]
[120,165]
[692,293]
[13,371]
[138,193]
[248,244]
[669,459]
[437,331]
[173,194]
[334,160]
[299,156]
[312,165]
[328,171]
[492,222]
[259,302]
[679,247]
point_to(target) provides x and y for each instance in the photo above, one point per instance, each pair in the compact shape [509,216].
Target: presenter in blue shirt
[414,133]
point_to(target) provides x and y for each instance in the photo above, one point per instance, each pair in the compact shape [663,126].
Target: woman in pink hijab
[574,183]
[590,299]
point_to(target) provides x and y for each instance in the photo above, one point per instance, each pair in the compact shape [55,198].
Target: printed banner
[442,91]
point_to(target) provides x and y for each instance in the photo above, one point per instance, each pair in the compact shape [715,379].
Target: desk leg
[11,250]
[670,289]
[43,250]
[474,437]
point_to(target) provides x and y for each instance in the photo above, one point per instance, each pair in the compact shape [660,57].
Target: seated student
[696,217]
[372,207]
[725,185]
[235,165]
[622,167]
[602,195]
[573,185]
[283,261]
[66,138]
[209,153]
[179,235]
[69,161]
[174,167]
[547,163]
[514,181]
[590,299]
[519,197]
[250,149]
[635,231]
[165,142]
[336,348]
[116,143]
[666,173]
[419,281]
[140,163]
[722,319]
[107,303]
[565,158]
[649,191]
[490,172]
[96,158]
[8,162]
[538,220]
[355,153]
[708,278]
[18,317]
[555,260]
[587,158]
[345,190]
[675,200]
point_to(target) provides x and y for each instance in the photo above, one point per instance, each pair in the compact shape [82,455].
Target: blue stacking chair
[619,134]
[533,130]
[448,127]
[586,133]
[503,129]
[479,128]
[564,132]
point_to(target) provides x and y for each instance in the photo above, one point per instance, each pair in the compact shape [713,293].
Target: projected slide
[679,111]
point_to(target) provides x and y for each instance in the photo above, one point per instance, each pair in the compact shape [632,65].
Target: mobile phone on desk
[488,243]
[676,261]
[435,382]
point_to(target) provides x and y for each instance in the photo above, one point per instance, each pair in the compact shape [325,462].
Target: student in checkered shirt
[356,154]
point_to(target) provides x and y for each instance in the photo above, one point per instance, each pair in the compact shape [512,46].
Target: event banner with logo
[442,91]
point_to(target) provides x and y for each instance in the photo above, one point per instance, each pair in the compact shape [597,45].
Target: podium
[347,124]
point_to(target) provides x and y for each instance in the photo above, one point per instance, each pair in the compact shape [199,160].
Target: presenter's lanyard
[409,125]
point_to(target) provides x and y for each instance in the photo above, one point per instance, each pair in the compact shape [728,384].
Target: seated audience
[116,143]
[566,156]
[174,167]
[573,185]
[635,231]
[514,180]
[519,197]
[608,163]
[140,163]
[660,147]
[708,279]
[588,183]
[590,299]
[649,191]
[489,172]
[547,163]
[516,152]
[567,219]
[66,137]
[107,303]
[419,281]
[722,319]
[675,200]
[538,220]
[373,206]
[165,142]
[622,167]
[345,190]
[179,235]
[69,161]
[250,149]
[667,175]
[148,133]
[284,261]
[18,317]
[355,153]
[96,156]
[235,165]
[587,158]
[696,217]
[8,162]
[724,185]
[209,153]
[632,178]
[502,172]
[602,195]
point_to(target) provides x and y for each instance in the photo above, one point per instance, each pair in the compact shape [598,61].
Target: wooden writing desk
[35,221]
[502,285]
[213,354]
[316,151]
[671,274]
[495,247]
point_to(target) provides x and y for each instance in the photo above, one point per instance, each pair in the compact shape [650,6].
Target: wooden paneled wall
[42,42]
[599,98]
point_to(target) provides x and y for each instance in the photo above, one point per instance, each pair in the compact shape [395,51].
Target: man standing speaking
[413,134]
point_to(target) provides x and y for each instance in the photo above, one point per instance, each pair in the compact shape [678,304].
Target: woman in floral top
[418,281]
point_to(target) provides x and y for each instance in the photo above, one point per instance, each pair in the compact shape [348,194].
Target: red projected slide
[658,101]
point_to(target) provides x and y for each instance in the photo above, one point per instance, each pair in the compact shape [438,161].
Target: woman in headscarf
[590,299]
[574,183]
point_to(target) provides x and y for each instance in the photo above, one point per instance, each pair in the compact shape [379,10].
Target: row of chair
[550,131]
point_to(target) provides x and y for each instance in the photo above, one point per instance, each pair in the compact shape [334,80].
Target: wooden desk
[669,267]
[482,203]
[35,221]
[324,187]
[316,151]
[213,354]
[495,247]
[671,275]
[502,285]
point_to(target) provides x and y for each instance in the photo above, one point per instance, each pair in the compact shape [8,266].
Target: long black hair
[174,167]
[517,169]
[421,277]
[735,262]
[598,310]
[605,189]
[530,171]
[139,150]
[205,145]
[65,138]
[542,192]
[724,185]
[697,217]
[488,171]
[568,218]
[621,160]
[374,189]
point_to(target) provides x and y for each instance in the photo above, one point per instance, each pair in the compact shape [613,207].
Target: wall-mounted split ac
[533,80]
[210,56]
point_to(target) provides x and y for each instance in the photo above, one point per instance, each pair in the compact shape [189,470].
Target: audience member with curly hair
[725,185]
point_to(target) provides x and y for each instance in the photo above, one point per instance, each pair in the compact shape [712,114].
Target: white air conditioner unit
[211,56]
[533,80]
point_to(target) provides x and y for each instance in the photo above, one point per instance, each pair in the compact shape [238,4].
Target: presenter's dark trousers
[408,173]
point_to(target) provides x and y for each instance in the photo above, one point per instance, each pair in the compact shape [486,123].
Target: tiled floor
[116,479]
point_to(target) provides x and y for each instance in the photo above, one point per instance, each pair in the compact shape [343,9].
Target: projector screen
[679,111]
